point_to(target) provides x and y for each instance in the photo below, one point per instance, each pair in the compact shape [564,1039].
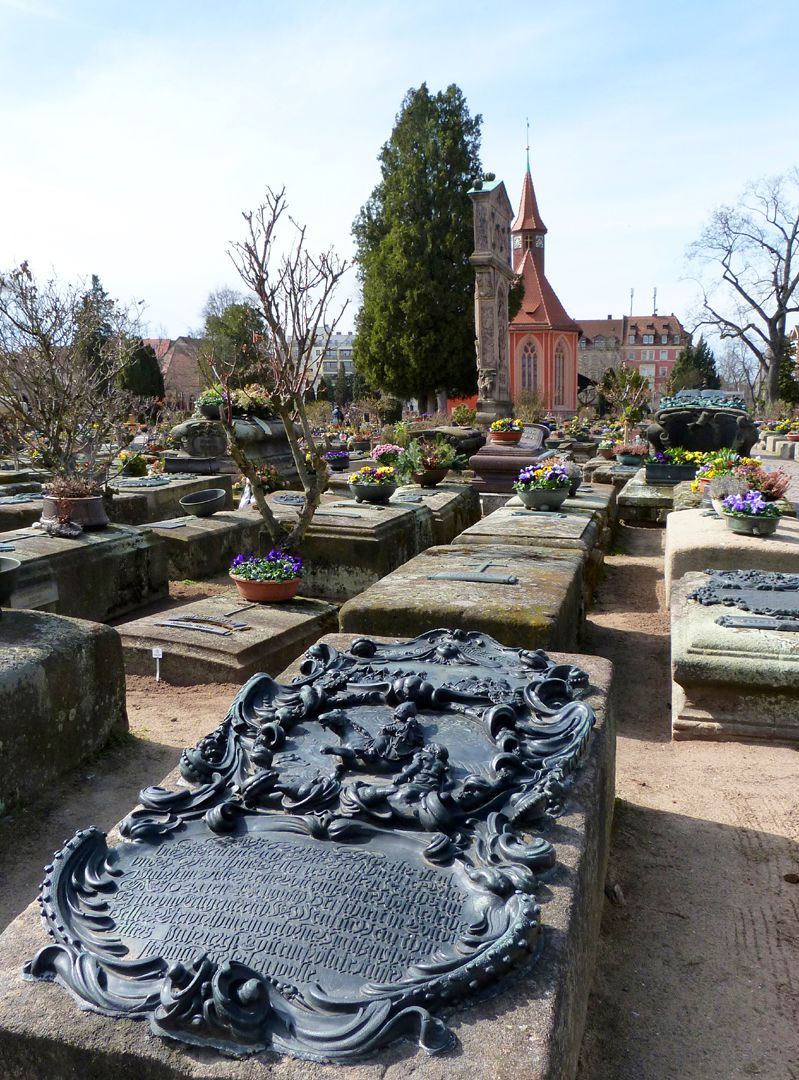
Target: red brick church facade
[543,338]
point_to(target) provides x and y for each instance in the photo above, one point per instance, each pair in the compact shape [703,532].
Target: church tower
[543,338]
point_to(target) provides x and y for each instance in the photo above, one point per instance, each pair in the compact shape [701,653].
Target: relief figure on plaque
[394,742]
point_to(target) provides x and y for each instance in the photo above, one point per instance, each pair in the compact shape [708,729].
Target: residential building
[649,343]
[543,337]
[339,350]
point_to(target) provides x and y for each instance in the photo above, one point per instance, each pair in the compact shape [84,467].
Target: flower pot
[372,493]
[211,411]
[792,436]
[539,499]
[266,592]
[509,438]
[9,571]
[751,525]
[338,464]
[605,452]
[365,445]
[429,478]
[718,506]
[630,459]
[204,503]
[664,472]
[89,513]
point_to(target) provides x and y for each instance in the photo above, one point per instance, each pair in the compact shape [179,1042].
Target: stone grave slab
[523,596]
[19,510]
[609,472]
[351,545]
[307,922]
[543,529]
[203,642]
[138,504]
[62,694]
[735,656]
[699,539]
[453,506]
[198,548]
[643,502]
[598,501]
[97,576]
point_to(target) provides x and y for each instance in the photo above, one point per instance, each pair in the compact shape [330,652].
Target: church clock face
[517,241]
[539,241]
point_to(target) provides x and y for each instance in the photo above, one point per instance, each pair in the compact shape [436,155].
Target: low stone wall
[729,683]
[542,608]
[62,694]
[530,1027]
[699,540]
[97,576]
[198,548]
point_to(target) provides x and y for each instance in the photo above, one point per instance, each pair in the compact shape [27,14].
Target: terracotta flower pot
[605,452]
[792,436]
[266,592]
[372,493]
[539,499]
[510,438]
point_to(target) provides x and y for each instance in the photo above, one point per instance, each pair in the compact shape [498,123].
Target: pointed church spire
[528,219]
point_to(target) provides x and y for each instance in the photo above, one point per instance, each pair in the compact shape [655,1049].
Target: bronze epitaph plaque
[353,850]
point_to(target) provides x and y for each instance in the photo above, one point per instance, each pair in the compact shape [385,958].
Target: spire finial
[528,142]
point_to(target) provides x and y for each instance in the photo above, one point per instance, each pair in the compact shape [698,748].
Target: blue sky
[132,135]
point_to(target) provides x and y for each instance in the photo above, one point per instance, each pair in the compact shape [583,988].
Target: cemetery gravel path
[697,974]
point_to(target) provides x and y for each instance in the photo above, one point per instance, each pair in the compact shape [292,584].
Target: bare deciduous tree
[295,291]
[756,246]
[60,358]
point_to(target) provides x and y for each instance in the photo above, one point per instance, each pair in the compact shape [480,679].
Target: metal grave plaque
[760,592]
[353,851]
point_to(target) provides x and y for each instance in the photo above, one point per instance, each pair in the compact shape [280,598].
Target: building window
[676,339]
[648,339]
[529,366]
[664,354]
[630,356]
[560,374]
[663,371]
[599,340]
[631,339]
[583,343]
[664,339]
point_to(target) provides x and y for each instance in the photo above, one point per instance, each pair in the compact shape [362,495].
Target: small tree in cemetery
[295,291]
[627,392]
[755,246]
[414,236]
[232,324]
[62,354]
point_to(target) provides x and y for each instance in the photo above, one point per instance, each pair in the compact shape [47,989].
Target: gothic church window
[560,373]
[529,366]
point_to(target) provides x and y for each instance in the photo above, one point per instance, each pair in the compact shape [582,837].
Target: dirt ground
[698,968]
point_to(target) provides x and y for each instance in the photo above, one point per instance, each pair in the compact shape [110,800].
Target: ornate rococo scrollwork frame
[479,826]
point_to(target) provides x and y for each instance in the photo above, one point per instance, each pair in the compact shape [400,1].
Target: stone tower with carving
[493,275]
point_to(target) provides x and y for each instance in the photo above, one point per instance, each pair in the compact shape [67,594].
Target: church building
[543,338]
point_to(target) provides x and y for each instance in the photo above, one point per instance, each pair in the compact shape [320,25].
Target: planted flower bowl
[373,483]
[338,460]
[543,487]
[204,503]
[268,579]
[750,514]
[507,430]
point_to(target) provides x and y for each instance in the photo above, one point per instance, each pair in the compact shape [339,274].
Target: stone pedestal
[272,636]
[541,608]
[730,683]
[643,502]
[699,540]
[62,694]
[98,576]
[497,467]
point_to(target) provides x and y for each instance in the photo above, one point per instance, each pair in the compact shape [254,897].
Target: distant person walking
[338,415]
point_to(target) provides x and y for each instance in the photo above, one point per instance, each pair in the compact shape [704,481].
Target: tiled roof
[159,344]
[540,306]
[528,216]
[606,328]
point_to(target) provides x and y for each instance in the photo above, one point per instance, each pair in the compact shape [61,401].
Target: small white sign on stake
[158,652]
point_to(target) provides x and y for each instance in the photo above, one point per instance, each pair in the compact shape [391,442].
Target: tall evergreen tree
[141,375]
[415,329]
[788,384]
[694,369]
[230,332]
